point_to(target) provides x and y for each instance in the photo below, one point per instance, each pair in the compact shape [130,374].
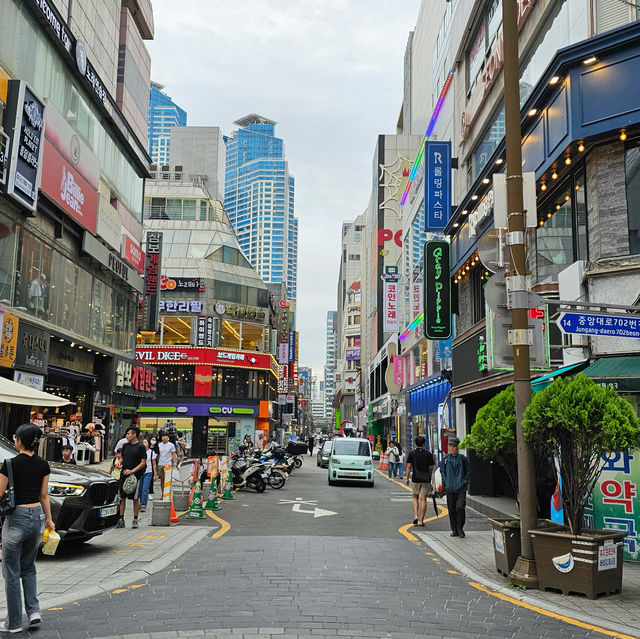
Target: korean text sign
[152,266]
[437,197]
[614,501]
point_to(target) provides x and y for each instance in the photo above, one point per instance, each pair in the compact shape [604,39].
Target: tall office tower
[330,363]
[259,199]
[164,113]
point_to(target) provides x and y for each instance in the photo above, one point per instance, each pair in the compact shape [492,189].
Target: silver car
[322,458]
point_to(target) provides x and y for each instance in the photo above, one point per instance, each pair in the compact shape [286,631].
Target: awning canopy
[14,393]
[543,381]
[620,373]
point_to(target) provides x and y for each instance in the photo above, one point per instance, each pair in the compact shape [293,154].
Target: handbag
[130,484]
[8,500]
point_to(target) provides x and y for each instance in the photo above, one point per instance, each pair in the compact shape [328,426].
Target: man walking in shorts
[134,462]
[419,468]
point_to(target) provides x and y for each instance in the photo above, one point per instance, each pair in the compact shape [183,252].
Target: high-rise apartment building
[259,199]
[164,113]
[330,363]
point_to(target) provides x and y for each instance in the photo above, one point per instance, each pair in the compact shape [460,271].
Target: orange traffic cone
[384,462]
[173,516]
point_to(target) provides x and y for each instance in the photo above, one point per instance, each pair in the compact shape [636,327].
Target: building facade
[217,375]
[164,114]
[259,199]
[330,364]
[72,167]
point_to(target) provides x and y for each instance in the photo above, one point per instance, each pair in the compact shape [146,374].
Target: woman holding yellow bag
[27,475]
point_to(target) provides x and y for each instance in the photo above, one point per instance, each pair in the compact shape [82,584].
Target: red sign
[133,254]
[196,355]
[203,380]
[68,189]
[135,376]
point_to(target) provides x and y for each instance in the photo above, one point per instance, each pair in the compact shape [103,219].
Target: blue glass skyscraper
[259,200]
[163,114]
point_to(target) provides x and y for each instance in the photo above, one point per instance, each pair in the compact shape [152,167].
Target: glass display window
[230,334]
[251,336]
[177,330]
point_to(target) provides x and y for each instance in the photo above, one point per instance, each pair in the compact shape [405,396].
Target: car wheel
[370,484]
[331,483]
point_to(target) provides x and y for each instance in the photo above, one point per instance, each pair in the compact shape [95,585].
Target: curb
[441,550]
[128,578]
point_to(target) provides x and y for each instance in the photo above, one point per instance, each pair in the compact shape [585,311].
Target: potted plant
[578,422]
[493,437]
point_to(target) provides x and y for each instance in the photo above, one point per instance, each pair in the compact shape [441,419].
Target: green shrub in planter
[577,421]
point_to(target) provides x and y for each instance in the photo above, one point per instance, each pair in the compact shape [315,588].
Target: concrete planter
[589,564]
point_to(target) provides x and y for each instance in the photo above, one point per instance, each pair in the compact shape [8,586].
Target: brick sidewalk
[474,557]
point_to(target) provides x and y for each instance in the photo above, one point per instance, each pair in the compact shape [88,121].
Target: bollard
[195,510]
[166,487]
[181,501]
[161,513]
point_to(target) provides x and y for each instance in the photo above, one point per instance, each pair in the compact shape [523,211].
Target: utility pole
[524,572]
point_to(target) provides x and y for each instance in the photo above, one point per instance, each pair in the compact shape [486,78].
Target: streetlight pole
[524,572]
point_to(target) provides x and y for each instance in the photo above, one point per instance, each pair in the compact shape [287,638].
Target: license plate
[351,474]
[107,512]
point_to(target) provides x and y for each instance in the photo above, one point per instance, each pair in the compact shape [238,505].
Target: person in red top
[23,528]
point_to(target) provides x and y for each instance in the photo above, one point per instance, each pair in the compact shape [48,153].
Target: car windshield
[326,447]
[360,449]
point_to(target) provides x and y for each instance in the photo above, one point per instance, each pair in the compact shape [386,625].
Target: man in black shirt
[134,462]
[420,461]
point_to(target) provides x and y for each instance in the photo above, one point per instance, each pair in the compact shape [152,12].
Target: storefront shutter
[611,14]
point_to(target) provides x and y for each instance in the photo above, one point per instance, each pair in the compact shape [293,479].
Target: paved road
[286,569]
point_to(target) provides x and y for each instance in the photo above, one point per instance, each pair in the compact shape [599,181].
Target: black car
[84,502]
[322,456]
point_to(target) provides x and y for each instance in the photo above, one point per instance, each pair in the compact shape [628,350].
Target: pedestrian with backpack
[421,462]
[455,480]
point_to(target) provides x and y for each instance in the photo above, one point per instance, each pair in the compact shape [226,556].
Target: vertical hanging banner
[416,299]
[437,290]
[398,371]
[390,320]
[437,197]
[152,266]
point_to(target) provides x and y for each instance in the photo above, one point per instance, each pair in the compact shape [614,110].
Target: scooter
[249,475]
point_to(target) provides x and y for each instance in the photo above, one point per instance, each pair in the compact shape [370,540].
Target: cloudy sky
[329,72]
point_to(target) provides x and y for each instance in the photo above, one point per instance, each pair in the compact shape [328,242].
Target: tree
[492,435]
[578,422]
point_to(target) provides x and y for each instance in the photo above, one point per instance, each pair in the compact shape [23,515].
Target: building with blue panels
[164,113]
[259,200]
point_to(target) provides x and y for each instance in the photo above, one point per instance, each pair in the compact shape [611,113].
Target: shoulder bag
[8,500]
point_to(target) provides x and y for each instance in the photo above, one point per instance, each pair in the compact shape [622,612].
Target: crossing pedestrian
[455,479]
[420,465]
[23,528]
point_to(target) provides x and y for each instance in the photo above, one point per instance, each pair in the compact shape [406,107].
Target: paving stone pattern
[303,586]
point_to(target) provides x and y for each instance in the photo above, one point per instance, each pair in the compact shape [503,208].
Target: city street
[306,560]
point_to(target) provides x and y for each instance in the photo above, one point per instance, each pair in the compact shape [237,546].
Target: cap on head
[454,441]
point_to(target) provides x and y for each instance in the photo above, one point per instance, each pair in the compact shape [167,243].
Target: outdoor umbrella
[14,393]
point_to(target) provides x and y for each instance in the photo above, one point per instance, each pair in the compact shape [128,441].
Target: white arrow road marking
[316,512]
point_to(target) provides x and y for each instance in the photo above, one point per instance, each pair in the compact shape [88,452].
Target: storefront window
[33,276]
[177,330]
[101,324]
[230,334]
[554,241]
[489,144]
[632,170]
[7,257]
[251,337]
[175,381]
[581,216]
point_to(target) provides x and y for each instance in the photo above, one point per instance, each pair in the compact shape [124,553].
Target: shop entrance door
[217,440]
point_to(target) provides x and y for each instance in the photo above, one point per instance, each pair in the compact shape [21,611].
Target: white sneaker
[34,618]
[13,631]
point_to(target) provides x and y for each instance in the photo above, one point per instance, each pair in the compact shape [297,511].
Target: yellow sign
[4,87]
[8,340]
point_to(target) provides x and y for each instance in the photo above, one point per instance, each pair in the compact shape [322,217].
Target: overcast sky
[329,72]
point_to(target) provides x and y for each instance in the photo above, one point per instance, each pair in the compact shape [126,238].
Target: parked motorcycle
[249,475]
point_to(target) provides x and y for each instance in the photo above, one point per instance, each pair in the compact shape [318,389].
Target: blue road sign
[601,325]
[437,181]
